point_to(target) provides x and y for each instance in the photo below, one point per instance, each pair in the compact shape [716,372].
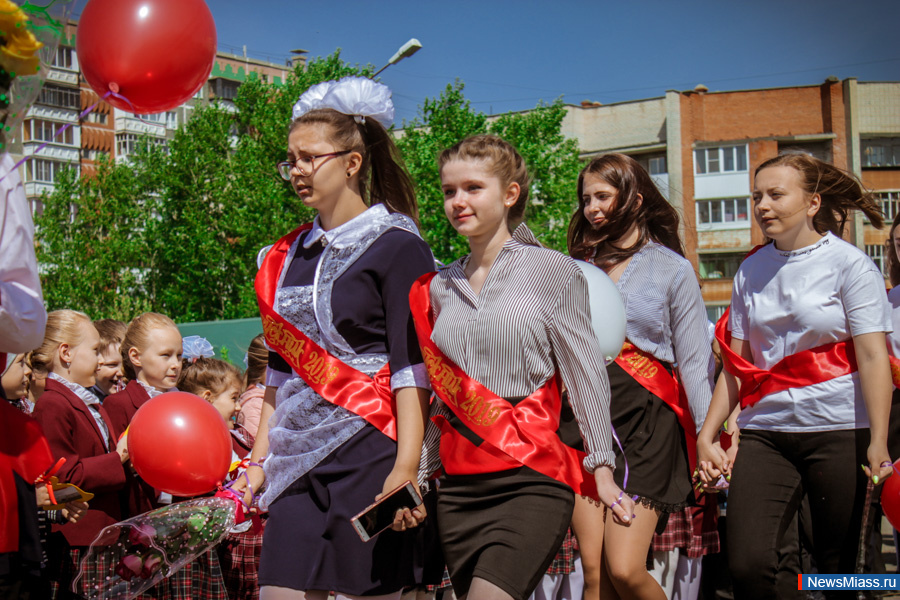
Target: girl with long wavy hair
[625,226]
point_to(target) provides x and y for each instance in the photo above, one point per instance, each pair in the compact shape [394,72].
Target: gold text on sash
[317,369]
[449,387]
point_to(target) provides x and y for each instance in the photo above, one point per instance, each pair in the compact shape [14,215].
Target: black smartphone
[380,515]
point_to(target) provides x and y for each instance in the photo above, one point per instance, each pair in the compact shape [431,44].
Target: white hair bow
[356,96]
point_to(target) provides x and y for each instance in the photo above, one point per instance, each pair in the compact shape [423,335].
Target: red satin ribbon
[334,380]
[653,377]
[804,368]
[524,434]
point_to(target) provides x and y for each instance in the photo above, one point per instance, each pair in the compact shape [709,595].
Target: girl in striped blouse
[506,320]
[625,226]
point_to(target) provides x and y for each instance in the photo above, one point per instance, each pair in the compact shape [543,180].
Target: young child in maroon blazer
[79,430]
[151,359]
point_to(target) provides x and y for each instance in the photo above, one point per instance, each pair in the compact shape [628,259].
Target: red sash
[654,378]
[895,370]
[524,434]
[804,368]
[24,451]
[342,385]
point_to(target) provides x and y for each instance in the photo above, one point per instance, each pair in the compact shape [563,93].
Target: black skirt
[310,544]
[503,527]
[655,447]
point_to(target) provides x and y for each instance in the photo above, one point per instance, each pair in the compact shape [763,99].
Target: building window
[93,154]
[154,118]
[224,88]
[876,253]
[44,171]
[128,143]
[714,312]
[60,97]
[64,58]
[727,159]
[97,117]
[720,266]
[889,203]
[881,152]
[657,165]
[46,131]
[724,211]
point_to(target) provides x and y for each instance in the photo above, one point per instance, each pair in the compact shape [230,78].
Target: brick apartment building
[108,131]
[701,148]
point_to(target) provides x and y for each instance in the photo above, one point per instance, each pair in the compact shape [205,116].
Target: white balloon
[607,310]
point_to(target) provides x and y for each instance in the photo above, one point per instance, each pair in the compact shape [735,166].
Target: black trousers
[772,473]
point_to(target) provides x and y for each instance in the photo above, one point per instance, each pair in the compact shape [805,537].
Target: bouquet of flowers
[139,553]
[29,36]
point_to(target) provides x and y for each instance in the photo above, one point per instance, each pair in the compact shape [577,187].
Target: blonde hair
[503,161]
[63,327]
[136,337]
[208,374]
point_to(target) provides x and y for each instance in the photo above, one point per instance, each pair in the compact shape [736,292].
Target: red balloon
[180,444]
[890,499]
[155,53]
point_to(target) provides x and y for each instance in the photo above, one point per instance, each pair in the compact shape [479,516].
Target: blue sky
[512,54]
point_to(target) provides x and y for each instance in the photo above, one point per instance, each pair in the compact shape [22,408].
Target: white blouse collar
[317,233]
[151,391]
[79,390]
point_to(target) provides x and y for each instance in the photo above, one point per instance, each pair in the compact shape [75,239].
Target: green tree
[91,243]
[552,160]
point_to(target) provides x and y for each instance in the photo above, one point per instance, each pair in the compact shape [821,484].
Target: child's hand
[74,510]
[122,448]
[42,494]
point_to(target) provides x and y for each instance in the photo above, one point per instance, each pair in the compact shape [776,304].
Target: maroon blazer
[138,496]
[74,435]
[121,406]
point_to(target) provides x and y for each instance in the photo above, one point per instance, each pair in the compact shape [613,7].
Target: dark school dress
[309,542]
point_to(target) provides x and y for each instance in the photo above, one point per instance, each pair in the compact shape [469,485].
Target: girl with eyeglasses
[346,390]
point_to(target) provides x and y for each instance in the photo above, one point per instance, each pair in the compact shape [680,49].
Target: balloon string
[624,460]
[83,114]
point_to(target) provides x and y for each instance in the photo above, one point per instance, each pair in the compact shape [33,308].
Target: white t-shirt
[787,302]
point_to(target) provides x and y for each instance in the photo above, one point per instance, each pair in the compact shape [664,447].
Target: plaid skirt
[199,579]
[564,562]
[239,557]
[693,529]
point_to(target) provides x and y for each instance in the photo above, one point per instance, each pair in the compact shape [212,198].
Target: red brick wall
[882,179]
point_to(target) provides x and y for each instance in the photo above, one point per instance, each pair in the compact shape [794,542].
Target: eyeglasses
[305,165]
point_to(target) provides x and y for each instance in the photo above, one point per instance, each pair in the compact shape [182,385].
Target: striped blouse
[531,319]
[665,316]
